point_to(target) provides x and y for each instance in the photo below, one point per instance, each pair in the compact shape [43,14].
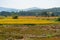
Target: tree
[44,14]
[15,17]
[52,14]
[58,19]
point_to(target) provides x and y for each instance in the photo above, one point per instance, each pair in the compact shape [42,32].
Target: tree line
[27,13]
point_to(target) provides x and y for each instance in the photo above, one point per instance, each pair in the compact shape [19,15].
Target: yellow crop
[26,20]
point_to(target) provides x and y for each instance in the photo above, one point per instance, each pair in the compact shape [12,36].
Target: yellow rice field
[24,21]
[27,20]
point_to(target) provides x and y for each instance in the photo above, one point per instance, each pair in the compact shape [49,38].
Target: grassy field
[31,32]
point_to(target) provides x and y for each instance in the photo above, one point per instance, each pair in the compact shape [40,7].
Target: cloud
[22,4]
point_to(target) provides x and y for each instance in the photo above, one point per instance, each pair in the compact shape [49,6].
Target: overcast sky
[23,4]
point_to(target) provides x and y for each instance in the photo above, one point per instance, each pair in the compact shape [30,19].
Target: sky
[24,4]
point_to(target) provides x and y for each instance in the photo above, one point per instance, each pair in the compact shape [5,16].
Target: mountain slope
[34,9]
[30,11]
[57,9]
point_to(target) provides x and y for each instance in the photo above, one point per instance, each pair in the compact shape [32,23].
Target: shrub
[58,19]
[15,17]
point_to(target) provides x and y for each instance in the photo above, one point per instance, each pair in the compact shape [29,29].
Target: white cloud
[22,4]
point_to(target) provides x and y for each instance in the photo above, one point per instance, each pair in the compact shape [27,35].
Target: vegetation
[29,25]
[58,19]
[29,13]
[29,20]
[15,17]
[24,32]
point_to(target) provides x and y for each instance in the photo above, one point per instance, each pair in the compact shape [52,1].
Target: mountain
[56,9]
[30,11]
[8,9]
[33,9]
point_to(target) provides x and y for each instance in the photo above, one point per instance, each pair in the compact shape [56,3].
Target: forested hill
[30,12]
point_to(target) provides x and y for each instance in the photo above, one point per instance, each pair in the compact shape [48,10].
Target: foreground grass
[32,32]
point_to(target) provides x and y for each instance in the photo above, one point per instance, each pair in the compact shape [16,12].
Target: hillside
[30,11]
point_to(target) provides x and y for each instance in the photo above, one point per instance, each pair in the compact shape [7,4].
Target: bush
[58,19]
[15,17]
